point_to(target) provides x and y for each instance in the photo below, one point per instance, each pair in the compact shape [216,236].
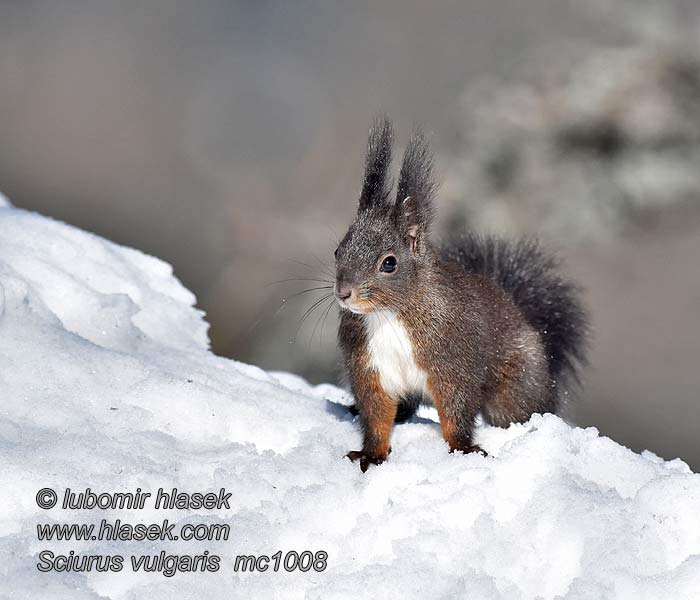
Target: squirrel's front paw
[365,459]
[470,449]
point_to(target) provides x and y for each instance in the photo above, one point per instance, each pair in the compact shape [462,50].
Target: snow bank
[106,382]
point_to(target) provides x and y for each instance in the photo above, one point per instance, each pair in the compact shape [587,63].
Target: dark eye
[335,253]
[388,264]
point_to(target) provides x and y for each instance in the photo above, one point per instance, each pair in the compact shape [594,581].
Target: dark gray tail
[550,302]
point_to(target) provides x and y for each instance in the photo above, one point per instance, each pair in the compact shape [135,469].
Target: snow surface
[106,381]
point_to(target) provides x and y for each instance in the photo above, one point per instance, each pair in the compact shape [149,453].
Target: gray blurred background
[227,138]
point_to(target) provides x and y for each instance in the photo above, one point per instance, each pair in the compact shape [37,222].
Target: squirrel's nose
[343,291]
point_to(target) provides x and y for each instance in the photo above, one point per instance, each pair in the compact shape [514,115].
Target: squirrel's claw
[470,449]
[365,459]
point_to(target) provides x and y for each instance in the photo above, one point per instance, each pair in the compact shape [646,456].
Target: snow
[107,382]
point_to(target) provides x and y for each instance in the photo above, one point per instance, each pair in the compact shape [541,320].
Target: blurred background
[227,138]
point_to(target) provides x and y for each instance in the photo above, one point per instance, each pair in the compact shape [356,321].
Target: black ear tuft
[417,186]
[376,186]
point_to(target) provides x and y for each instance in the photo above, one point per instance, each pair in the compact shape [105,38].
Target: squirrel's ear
[375,186]
[414,200]
[407,213]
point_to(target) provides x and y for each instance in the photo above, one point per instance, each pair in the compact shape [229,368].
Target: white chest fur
[391,354]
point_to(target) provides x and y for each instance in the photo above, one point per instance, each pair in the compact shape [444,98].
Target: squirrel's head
[378,260]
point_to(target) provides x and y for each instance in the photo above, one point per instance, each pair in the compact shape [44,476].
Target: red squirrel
[474,325]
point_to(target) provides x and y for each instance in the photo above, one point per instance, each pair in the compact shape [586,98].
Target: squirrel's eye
[335,253]
[388,264]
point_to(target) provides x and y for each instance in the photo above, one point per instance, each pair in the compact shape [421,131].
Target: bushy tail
[549,301]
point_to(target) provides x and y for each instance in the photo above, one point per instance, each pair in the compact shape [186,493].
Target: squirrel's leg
[407,408]
[457,409]
[522,386]
[377,413]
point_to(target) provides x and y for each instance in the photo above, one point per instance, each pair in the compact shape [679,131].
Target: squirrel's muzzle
[347,296]
[350,297]
[343,291]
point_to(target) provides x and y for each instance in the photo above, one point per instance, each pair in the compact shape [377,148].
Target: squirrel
[478,324]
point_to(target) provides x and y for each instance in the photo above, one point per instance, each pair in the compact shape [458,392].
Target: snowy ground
[106,381]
